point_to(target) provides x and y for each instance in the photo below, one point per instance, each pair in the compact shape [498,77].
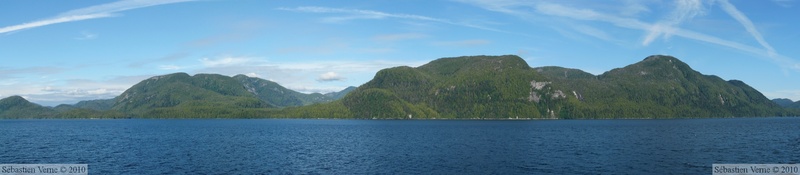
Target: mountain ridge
[498,87]
[176,95]
[787,103]
[19,107]
[467,87]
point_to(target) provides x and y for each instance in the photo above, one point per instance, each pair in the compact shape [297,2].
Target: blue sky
[54,52]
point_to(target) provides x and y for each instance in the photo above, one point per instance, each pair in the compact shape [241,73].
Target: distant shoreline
[440,119]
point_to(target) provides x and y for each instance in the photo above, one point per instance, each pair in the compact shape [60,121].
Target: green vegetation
[182,96]
[18,107]
[788,104]
[660,87]
[278,96]
[471,87]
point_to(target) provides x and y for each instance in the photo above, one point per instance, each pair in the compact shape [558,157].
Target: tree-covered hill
[469,87]
[179,95]
[340,94]
[787,103]
[18,107]
[506,87]
[279,96]
[663,87]
[97,105]
[210,96]
[790,105]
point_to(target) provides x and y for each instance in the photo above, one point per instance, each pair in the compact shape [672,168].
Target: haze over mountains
[485,87]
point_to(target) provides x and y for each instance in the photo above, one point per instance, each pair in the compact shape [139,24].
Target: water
[686,146]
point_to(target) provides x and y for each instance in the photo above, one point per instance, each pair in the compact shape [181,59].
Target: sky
[61,52]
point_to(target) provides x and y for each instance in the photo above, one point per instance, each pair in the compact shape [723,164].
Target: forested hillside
[506,87]
[469,87]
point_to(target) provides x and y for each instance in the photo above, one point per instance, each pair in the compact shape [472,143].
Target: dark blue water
[687,146]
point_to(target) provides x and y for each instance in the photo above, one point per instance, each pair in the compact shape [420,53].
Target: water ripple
[400,147]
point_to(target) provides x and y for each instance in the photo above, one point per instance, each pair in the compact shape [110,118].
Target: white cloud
[97,11]
[748,25]
[102,91]
[252,74]
[322,89]
[48,88]
[224,61]
[330,76]
[685,10]
[52,21]
[300,75]
[594,32]
[55,91]
[119,6]
[633,8]
[55,97]
[306,76]
[355,14]
[169,67]
[52,93]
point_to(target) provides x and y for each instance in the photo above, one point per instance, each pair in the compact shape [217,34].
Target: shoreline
[440,119]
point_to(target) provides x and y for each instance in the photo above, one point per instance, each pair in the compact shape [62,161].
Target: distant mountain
[786,103]
[506,87]
[179,90]
[18,107]
[470,87]
[180,95]
[783,102]
[97,105]
[279,96]
[340,94]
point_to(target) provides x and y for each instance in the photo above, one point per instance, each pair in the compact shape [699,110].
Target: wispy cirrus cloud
[748,25]
[355,14]
[633,8]
[92,12]
[669,26]
[594,32]
[684,10]
[784,3]
[55,20]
